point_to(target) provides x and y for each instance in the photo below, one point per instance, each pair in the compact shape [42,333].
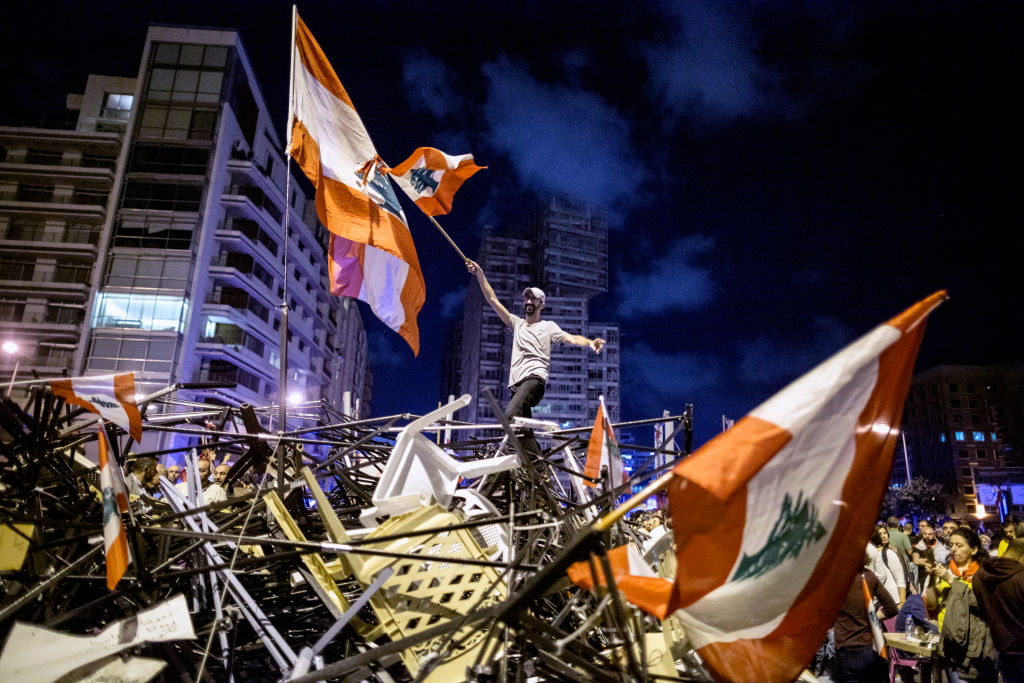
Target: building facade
[962,425]
[564,251]
[190,261]
[56,186]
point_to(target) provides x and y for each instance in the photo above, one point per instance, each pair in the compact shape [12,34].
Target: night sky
[780,176]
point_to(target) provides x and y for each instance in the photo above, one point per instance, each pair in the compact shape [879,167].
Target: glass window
[978,436]
[117,105]
[140,311]
[942,437]
[191,55]
[993,435]
[958,436]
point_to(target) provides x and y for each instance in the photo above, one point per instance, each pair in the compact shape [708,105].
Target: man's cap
[536,292]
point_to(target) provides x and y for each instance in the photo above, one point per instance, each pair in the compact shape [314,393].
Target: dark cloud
[430,84]
[708,65]
[450,303]
[775,360]
[384,351]
[709,68]
[680,280]
[561,140]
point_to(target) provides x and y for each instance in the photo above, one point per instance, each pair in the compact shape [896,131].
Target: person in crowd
[930,542]
[897,539]
[894,563]
[211,493]
[856,658]
[141,472]
[986,545]
[220,473]
[966,650]
[999,588]
[1009,533]
[655,530]
[949,525]
[173,472]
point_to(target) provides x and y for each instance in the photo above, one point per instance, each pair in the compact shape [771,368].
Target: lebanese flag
[371,255]
[633,578]
[110,396]
[115,501]
[430,178]
[602,451]
[772,516]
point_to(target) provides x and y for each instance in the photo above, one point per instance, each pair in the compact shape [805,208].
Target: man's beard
[529,309]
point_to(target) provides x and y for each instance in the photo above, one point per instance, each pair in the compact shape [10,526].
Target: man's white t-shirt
[531,348]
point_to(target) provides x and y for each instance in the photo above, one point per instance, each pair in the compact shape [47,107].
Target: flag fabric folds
[602,451]
[110,396]
[771,517]
[371,253]
[632,576]
[430,178]
[115,501]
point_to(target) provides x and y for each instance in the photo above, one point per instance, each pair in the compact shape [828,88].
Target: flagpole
[282,389]
[454,246]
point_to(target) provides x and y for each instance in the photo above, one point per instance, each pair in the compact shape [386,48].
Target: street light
[11,348]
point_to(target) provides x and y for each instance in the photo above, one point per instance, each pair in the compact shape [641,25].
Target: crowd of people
[964,587]
[142,478]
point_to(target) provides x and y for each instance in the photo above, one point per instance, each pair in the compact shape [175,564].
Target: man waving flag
[772,516]
[371,255]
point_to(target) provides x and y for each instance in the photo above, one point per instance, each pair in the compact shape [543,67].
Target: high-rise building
[564,251]
[55,188]
[963,428]
[190,254]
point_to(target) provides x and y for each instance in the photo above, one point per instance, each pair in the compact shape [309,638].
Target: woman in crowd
[896,565]
[965,642]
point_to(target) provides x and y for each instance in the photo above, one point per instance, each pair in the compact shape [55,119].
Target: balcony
[245,264]
[40,201]
[256,197]
[240,300]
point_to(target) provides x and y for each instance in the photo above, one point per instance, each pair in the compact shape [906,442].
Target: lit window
[978,436]
[117,106]
[993,435]
[958,436]
[942,437]
[140,311]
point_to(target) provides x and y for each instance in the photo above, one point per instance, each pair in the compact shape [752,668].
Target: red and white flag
[371,255]
[602,451]
[115,501]
[430,178]
[632,576]
[110,396]
[771,517]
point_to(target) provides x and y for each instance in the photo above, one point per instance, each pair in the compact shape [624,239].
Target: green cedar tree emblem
[422,180]
[795,529]
[386,198]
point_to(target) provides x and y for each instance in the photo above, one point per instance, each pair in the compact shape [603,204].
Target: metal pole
[906,458]
[14,374]
[282,389]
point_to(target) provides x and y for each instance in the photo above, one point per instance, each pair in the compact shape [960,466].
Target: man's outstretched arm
[489,296]
[579,340]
